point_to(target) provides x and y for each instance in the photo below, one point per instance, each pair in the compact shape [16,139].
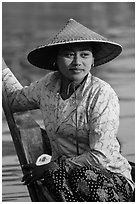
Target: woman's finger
[30,180]
[28,166]
[26,175]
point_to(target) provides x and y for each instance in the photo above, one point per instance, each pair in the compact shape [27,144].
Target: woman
[81,117]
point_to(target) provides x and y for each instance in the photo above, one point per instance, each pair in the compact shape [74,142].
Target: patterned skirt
[86,184]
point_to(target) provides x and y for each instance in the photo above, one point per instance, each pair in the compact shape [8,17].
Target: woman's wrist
[51,166]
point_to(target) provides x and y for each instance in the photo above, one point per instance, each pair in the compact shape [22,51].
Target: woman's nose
[76,60]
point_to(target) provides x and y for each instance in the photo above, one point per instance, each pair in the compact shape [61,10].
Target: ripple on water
[12,188]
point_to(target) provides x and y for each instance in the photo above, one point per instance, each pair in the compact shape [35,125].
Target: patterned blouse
[90,116]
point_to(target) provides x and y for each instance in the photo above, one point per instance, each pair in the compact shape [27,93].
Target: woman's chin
[76,77]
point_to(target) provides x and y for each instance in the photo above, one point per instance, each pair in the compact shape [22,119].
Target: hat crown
[74,32]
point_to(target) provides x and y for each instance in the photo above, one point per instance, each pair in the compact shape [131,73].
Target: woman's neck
[68,87]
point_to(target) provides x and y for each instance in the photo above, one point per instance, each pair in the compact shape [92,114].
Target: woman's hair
[53,58]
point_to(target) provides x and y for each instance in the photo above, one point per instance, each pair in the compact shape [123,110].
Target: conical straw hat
[104,50]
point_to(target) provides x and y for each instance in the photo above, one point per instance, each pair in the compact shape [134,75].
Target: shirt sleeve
[104,122]
[21,98]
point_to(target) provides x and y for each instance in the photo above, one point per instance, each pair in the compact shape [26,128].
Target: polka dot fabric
[87,184]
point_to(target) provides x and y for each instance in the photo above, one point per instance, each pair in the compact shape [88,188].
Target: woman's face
[75,60]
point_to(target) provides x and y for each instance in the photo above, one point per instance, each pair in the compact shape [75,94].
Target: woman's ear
[92,63]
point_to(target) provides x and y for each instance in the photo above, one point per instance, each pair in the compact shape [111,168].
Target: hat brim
[103,52]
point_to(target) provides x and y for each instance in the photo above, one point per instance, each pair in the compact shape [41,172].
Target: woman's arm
[104,147]
[20,98]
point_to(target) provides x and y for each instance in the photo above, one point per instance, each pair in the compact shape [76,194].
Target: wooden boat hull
[30,142]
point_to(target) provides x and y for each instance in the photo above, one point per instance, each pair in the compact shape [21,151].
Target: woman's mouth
[75,70]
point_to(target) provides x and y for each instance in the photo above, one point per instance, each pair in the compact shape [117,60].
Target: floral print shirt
[90,116]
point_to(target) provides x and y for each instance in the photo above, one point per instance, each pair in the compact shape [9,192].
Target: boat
[30,141]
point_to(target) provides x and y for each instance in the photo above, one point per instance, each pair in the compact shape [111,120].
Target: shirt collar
[57,83]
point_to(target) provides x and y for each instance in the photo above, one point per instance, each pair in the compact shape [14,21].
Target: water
[26,25]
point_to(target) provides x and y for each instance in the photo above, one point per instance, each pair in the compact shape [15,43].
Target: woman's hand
[33,173]
[4,66]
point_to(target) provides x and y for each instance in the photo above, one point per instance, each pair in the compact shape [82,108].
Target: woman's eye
[69,54]
[85,54]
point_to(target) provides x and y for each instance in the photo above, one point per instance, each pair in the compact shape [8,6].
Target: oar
[16,139]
